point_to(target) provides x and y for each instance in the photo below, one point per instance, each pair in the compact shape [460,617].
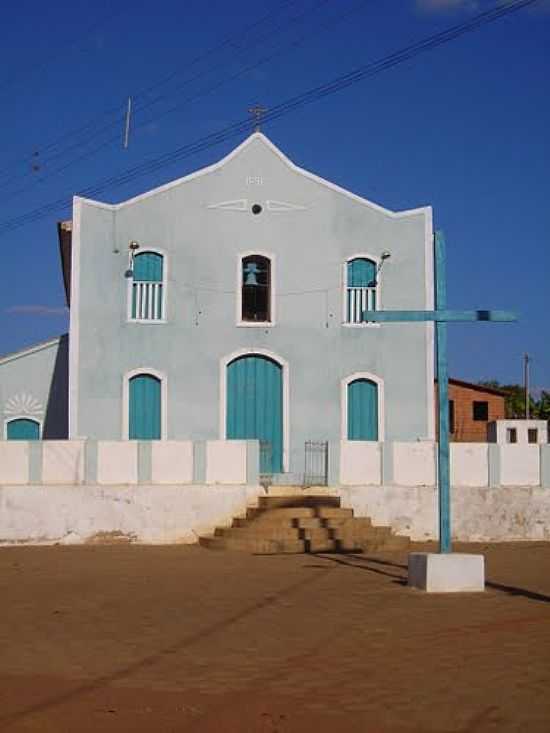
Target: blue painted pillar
[443,398]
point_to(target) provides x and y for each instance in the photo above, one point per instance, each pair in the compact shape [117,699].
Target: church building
[233,304]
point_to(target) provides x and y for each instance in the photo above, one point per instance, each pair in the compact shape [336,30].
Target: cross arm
[439,316]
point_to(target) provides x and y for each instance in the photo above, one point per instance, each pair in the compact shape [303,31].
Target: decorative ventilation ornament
[23,404]
[235,205]
[283,206]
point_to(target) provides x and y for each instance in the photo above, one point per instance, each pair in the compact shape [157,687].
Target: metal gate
[316,463]
[266,462]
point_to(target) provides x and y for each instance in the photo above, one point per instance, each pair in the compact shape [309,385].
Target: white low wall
[117,462]
[226,462]
[172,462]
[166,514]
[61,491]
[469,464]
[414,464]
[63,462]
[360,462]
[477,514]
[14,462]
[519,465]
[151,514]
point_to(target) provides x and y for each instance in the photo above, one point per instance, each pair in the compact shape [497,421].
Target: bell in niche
[251,270]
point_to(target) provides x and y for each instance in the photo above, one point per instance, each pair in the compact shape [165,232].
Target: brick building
[471,408]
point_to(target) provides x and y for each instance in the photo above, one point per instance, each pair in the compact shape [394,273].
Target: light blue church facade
[230,304]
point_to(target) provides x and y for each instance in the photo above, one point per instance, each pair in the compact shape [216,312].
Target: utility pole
[526,383]
[127,124]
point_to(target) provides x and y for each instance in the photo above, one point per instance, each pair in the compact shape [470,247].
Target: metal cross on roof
[257,113]
[441,316]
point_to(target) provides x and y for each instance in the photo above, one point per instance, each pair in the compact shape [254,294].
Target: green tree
[543,406]
[514,399]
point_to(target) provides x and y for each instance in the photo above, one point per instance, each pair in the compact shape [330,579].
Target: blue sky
[463,128]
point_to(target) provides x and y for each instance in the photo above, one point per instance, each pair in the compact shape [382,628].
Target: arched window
[144,407]
[362,410]
[23,428]
[148,287]
[360,288]
[256,291]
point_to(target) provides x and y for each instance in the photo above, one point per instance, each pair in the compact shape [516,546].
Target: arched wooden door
[144,420]
[255,406]
[362,399]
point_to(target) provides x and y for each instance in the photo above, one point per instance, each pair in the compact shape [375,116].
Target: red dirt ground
[128,638]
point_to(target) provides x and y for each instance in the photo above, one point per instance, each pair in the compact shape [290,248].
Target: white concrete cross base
[447,573]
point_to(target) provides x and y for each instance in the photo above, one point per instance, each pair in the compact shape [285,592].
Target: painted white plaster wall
[117,462]
[153,514]
[469,464]
[414,463]
[14,462]
[477,514]
[519,465]
[226,462]
[408,510]
[160,514]
[172,462]
[360,462]
[63,461]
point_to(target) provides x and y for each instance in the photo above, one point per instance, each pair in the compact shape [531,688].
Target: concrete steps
[297,523]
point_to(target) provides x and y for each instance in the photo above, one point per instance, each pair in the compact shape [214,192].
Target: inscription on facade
[254,181]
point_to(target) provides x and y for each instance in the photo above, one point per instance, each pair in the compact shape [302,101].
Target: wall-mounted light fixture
[385,255]
[133,246]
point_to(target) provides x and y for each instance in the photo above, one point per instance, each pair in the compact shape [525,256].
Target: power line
[308,97]
[231,40]
[114,139]
[44,64]
[260,39]
[87,130]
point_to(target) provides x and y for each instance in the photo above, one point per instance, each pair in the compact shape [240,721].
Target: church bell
[250,272]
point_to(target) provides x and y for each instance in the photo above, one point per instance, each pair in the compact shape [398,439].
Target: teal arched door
[362,410]
[255,407]
[23,429]
[144,408]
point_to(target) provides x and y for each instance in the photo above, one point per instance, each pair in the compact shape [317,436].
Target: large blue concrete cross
[441,316]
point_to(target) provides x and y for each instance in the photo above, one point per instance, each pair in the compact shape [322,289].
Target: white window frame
[164,283]
[161,376]
[272,290]
[283,363]
[346,381]
[11,418]
[359,256]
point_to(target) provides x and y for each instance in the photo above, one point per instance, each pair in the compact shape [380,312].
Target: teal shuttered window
[145,408]
[23,429]
[361,289]
[362,410]
[255,407]
[148,287]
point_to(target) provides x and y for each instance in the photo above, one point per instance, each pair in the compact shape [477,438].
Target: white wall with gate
[156,491]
